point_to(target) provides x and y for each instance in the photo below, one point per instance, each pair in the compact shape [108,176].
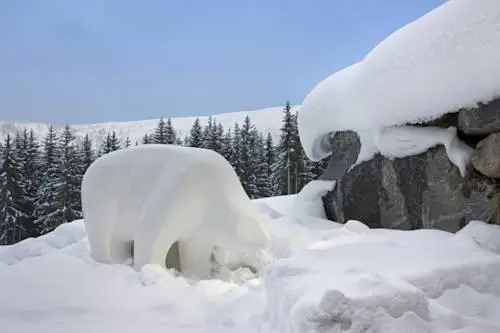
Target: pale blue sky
[83,61]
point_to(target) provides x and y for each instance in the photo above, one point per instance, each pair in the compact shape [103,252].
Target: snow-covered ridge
[266,120]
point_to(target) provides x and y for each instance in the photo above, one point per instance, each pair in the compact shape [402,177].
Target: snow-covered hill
[266,120]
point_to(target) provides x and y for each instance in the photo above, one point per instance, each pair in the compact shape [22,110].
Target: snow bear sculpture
[140,201]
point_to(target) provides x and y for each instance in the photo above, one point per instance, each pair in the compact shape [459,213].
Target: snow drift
[441,62]
[341,278]
[139,202]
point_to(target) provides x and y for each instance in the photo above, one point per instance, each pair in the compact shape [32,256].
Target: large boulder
[420,191]
[486,157]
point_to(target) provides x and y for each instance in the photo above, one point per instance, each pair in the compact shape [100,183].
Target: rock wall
[421,191]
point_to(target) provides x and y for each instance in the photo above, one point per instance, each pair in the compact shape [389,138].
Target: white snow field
[149,197]
[324,277]
[267,120]
[445,60]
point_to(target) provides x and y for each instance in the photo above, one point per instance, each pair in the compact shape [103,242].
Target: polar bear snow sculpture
[140,201]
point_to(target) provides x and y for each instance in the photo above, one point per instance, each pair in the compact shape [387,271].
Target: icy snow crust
[325,277]
[441,62]
[152,196]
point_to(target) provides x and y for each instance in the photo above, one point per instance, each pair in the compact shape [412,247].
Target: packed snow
[443,61]
[323,278]
[137,202]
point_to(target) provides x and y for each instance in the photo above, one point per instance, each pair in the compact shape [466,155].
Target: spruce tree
[47,212]
[160,134]
[227,150]
[303,167]
[236,149]
[11,215]
[111,143]
[217,137]
[29,158]
[146,139]
[196,135]
[272,171]
[70,177]
[86,153]
[261,177]
[248,158]
[127,142]
[286,152]
[207,137]
[171,134]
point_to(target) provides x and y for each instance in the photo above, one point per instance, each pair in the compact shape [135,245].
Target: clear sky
[83,61]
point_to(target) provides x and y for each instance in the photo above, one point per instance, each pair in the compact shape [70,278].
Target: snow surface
[153,196]
[441,62]
[329,278]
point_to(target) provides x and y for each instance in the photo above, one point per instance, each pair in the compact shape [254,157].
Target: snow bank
[340,279]
[62,237]
[309,201]
[441,62]
[138,202]
[382,281]
[485,235]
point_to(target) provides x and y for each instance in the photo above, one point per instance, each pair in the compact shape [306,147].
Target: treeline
[40,179]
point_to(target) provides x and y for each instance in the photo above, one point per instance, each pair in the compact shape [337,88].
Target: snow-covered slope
[325,278]
[266,120]
[445,60]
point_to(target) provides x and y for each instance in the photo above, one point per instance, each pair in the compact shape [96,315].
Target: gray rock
[346,150]
[482,120]
[422,191]
[486,156]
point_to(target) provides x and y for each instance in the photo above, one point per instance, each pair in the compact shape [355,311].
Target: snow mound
[382,281]
[443,61]
[356,226]
[309,200]
[485,235]
[62,237]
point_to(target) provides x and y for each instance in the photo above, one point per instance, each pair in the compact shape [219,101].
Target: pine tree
[70,177]
[171,134]
[261,177]
[227,150]
[286,152]
[111,143]
[48,215]
[303,167]
[236,150]
[217,137]
[29,159]
[11,228]
[207,136]
[160,134]
[146,139]
[272,172]
[86,153]
[248,158]
[196,136]
[127,142]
